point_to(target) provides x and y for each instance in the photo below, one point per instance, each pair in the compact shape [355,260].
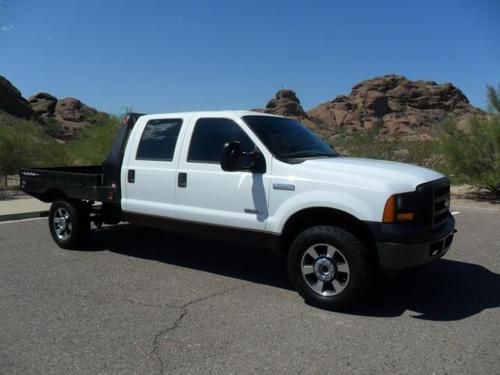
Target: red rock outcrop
[394,106]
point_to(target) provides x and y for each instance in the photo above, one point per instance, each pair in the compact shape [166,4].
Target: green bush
[14,152]
[51,127]
[368,145]
[94,143]
[23,143]
[472,154]
[493,99]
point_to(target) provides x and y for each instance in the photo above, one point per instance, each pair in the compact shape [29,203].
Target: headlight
[401,208]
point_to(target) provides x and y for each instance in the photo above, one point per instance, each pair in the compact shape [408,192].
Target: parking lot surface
[141,301]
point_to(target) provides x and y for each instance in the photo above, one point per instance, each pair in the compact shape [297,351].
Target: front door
[206,193]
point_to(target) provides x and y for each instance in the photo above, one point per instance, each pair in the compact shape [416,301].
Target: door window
[209,137]
[159,139]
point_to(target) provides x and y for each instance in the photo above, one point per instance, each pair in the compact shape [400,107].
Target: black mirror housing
[233,159]
[230,156]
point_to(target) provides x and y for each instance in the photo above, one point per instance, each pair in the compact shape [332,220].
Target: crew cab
[257,178]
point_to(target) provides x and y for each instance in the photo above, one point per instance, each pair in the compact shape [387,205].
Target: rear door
[206,193]
[150,176]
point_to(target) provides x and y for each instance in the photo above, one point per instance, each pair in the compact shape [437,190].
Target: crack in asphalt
[184,312]
[158,336]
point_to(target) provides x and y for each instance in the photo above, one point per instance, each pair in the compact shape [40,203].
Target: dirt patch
[472,197]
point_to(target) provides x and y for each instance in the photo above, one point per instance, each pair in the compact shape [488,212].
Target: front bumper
[403,246]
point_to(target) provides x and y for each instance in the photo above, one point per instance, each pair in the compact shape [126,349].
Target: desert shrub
[493,99]
[51,126]
[93,145]
[23,143]
[15,153]
[369,145]
[472,154]
[320,123]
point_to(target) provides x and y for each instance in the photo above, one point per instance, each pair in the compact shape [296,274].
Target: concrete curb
[24,215]
[18,209]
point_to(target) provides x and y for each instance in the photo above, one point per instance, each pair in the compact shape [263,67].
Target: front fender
[358,206]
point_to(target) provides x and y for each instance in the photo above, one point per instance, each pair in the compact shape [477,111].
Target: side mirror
[233,159]
[231,155]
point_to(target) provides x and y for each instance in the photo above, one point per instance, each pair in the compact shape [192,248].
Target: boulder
[11,100]
[285,94]
[71,109]
[43,104]
[285,103]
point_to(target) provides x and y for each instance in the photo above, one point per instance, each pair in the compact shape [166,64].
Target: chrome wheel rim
[325,269]
[62,224]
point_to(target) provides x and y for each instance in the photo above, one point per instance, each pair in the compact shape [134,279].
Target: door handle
[182,180]
[131,176]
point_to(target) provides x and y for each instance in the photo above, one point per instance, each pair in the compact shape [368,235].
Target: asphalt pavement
[141,301]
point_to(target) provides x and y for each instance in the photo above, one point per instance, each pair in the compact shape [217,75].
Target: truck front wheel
[69,224]
[329,267]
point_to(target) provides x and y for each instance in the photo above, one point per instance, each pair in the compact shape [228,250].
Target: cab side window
[209,137]
[159,139]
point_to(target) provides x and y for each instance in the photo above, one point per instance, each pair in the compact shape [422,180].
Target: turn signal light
[398,209]
[390,210]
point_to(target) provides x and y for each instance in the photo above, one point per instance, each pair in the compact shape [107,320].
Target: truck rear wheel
[69,224]
[329,267]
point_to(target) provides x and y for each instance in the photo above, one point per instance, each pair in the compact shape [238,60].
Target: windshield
[287,138]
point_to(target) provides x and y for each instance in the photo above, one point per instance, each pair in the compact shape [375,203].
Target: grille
[441,206]
[435,197]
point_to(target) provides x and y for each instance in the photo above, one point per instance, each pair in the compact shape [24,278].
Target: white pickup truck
[261,179]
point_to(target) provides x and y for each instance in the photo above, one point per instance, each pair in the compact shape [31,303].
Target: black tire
[349,267]
[76,229]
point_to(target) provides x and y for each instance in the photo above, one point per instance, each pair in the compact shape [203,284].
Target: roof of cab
[229,113]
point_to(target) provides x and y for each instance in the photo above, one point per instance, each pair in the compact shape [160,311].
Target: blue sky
[162,56]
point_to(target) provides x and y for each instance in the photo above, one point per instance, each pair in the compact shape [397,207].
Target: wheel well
[309,217]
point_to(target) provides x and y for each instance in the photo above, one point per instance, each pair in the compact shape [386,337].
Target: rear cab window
[159,140]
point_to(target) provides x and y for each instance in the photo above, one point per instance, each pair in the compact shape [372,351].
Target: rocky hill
[390,105]
[61,118]
[394,105]
[69,115]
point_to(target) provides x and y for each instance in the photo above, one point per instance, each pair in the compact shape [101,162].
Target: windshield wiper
[307,153]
